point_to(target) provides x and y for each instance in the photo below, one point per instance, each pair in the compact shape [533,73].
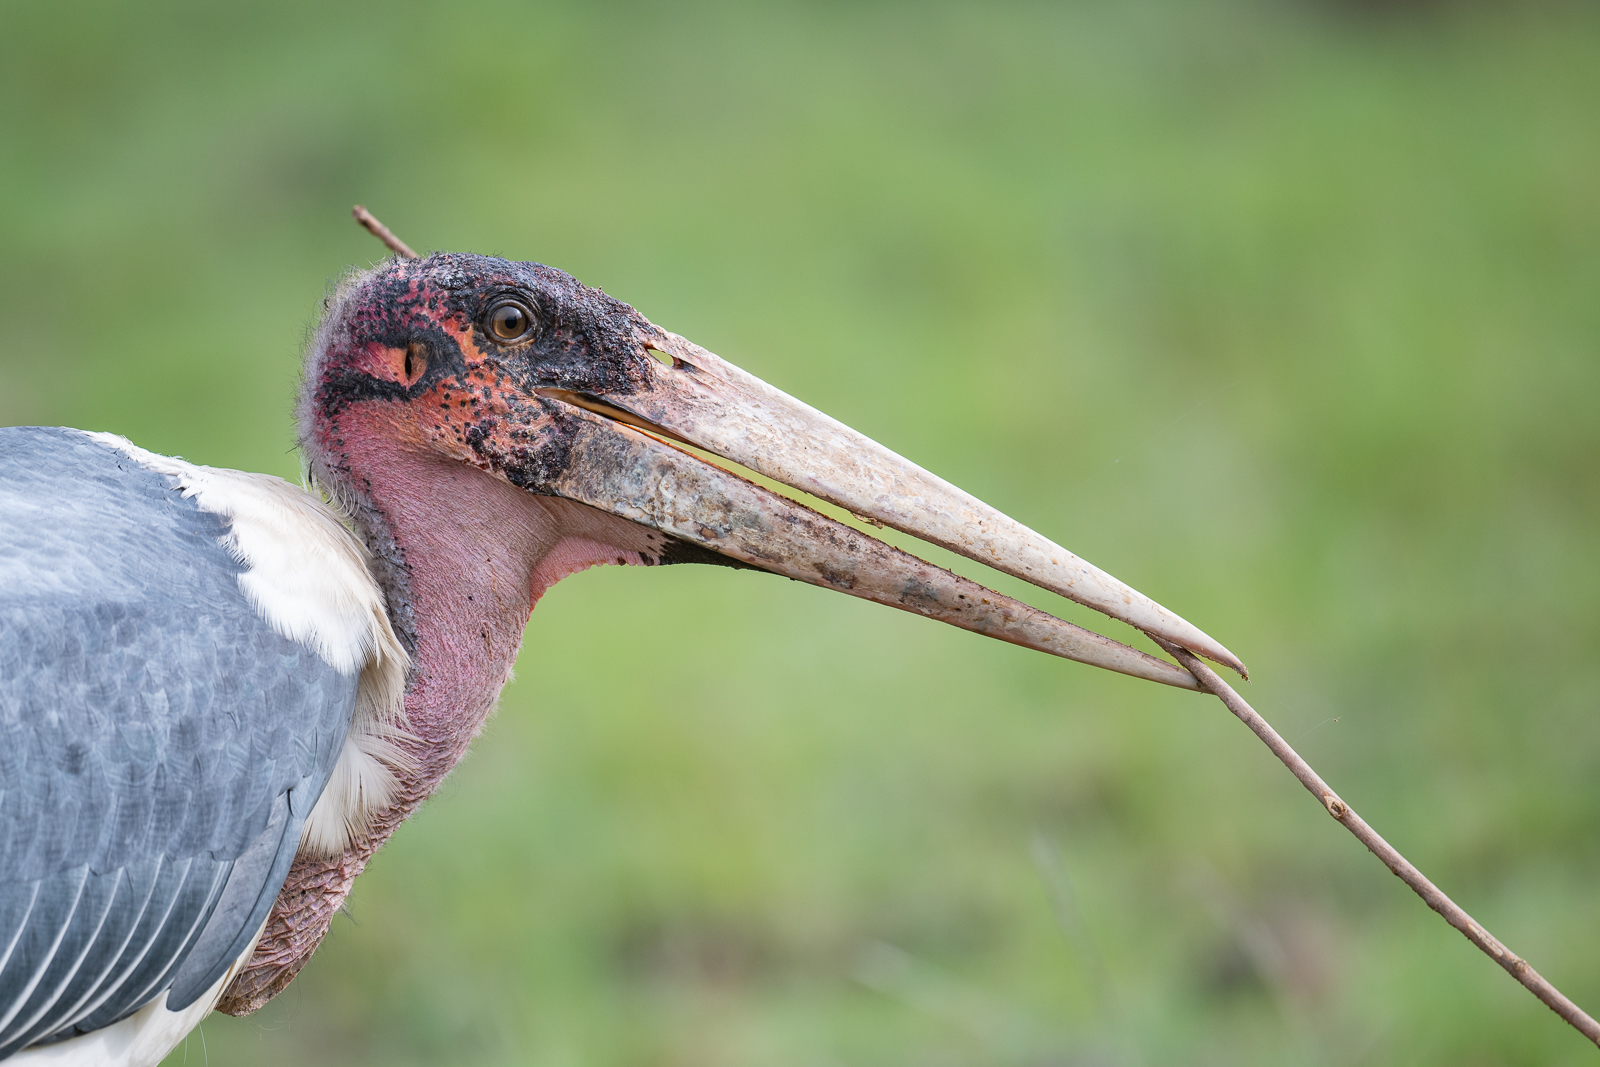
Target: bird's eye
[509,321]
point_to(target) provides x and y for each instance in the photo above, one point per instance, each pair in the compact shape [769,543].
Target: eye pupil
[509,321]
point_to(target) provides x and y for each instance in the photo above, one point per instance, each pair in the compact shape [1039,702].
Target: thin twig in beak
[1345,815]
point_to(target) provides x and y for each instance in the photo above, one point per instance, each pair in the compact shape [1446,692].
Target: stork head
[518,371]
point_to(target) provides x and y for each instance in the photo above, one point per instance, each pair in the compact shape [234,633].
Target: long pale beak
[705,401]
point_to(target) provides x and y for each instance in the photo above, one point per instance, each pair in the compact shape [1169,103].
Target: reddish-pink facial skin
[464,554]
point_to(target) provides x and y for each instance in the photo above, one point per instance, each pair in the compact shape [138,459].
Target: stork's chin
[619,457]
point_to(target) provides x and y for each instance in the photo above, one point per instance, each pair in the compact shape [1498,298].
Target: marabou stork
[221,693]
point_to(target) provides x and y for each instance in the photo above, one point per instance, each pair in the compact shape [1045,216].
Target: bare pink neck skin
[472,546]
[477,554]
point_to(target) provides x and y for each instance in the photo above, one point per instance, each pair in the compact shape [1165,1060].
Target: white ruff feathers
[307,575]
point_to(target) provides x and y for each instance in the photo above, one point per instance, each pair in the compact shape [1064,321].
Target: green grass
[1284,313]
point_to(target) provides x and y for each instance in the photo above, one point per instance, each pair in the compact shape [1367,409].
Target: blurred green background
[1287,313]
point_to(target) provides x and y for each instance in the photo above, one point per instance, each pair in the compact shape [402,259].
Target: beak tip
[1226,659]
[1202,644]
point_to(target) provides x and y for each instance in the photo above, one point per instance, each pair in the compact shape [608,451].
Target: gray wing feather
[50,921]
[73,939]
[14,911]
[160,744]
[251,888]
[100,983]
[134,974]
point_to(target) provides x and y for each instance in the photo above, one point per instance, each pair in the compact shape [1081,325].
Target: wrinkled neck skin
[463,556]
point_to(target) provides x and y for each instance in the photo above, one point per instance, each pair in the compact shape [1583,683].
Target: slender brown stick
[1344,814]
[382,233]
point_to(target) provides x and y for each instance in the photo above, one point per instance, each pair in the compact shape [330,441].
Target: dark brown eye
[509,321]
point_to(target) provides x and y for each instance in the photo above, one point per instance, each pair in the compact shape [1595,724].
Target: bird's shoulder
[149,703]
[183,651]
